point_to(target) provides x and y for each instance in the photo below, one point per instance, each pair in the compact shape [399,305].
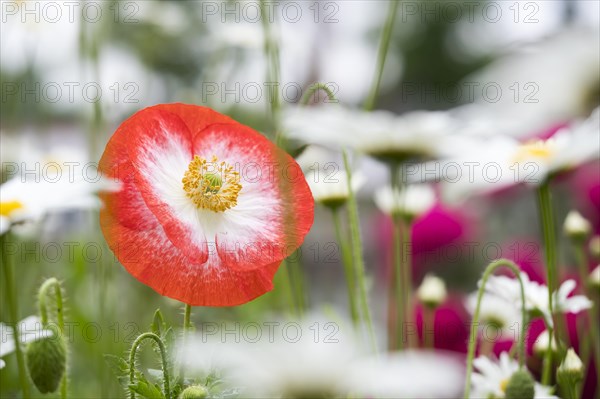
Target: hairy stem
[13,307]
[163,356]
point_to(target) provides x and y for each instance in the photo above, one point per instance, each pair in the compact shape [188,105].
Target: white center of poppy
[211,185]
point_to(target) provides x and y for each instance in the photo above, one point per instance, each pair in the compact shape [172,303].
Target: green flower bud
[47,360]
[571,367]
[520,386]
[194,392]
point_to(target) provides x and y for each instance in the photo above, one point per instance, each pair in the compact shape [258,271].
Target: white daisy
[491,378]
[381,134]
[497,314]
[536,295]
[26,200]
[486,164]
[411,202]
[408,374]
[317,357]
[29,330]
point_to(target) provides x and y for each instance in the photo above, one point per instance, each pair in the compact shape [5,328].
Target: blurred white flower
[536,295]
[408,374]
[331,190]
[540,346]
[497,313]
[486,164]
[491,378]
[432,291]
[410,202]
[381,134]
[543,84]
[316,357]
[26,200]
[29,330]
[576,226]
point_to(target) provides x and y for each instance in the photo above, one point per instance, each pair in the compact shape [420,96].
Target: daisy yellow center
[6,208]
[540,149]
[212,185]
[504,384]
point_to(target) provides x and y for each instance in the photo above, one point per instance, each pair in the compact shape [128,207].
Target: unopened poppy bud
[194,392]
[576,226]
[432,291]
[47,360]
[571,368]
[594,247]
[520,386]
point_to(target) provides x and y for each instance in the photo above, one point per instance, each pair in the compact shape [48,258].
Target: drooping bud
[194,392]
[47,360]
[432,291]
[520,386]
[576,226]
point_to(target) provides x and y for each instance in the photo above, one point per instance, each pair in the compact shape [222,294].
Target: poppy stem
[490,269]
[384,45]
[42,296]
[13,306]
[357,253]
[163,356]
[348,266]
[187,314]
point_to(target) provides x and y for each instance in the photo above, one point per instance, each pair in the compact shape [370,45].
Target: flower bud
[194,392]
[47,360]
[540,346]
[594,279]
[520,386]
[594,247]
[571,368]
[432,291]
[576,226]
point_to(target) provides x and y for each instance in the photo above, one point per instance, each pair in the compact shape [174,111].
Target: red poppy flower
[207,208]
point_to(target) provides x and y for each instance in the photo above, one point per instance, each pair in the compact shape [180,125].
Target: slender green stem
[595,337]
[271,50]
[549,235]
[407,288]
[348,266]
[475,323]
[398,271]
[357,253]
[42,296]
[313,89]
[584,338]
[428,322]
[13,306]
[187,314]
[283,279]
[386,35]
[163,356]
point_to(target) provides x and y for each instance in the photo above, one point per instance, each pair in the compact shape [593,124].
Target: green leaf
[117,364]
[146,389]
[158,323]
